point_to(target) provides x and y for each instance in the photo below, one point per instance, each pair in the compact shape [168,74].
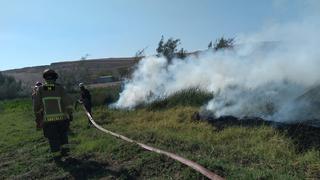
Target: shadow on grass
[88,169]
[304,136]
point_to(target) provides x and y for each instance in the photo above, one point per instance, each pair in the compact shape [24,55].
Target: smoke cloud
[265,75]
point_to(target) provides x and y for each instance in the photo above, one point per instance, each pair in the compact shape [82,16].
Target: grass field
[235,152]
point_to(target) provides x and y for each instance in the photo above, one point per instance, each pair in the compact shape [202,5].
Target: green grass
[235,152]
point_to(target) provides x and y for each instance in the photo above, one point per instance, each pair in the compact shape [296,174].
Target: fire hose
[182,160]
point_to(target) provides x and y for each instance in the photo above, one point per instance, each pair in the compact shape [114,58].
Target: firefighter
[39,117]
[35,88]
[85,99]
[53,110]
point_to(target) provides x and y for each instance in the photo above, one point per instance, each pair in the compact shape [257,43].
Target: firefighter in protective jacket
[85,99]
[53,110]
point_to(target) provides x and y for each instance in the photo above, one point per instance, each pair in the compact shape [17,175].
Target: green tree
[85,57]
[223,43]
[210,45]
[169,49]
[140,54]
[9,87]
[181,54]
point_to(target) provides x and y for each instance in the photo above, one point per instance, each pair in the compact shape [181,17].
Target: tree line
[170,50]
[10,88]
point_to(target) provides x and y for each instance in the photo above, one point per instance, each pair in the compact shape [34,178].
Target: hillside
[94,67]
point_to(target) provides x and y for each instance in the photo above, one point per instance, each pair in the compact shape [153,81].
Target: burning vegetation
[276,80]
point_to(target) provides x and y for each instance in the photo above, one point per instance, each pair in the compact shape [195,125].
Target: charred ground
[304,136]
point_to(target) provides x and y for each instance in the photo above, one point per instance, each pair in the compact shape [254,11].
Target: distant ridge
[29,75]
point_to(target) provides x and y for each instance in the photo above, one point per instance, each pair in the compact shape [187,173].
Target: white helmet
[81,85]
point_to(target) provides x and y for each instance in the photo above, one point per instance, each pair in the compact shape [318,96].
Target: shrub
[187,97]
[223,43]
[9,87]
[169,49]
[105,96]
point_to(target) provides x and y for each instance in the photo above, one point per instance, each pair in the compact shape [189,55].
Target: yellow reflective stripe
[55,117]
[69,107]
[49,84]
[60,109]
[44,106]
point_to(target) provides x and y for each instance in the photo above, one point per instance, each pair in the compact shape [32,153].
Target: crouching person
[53,111]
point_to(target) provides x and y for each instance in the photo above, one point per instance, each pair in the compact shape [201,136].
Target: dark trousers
[57,134]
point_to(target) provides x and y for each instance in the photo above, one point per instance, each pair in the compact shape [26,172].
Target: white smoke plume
[262,76]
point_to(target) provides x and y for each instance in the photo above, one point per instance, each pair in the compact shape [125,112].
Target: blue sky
[39,32]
